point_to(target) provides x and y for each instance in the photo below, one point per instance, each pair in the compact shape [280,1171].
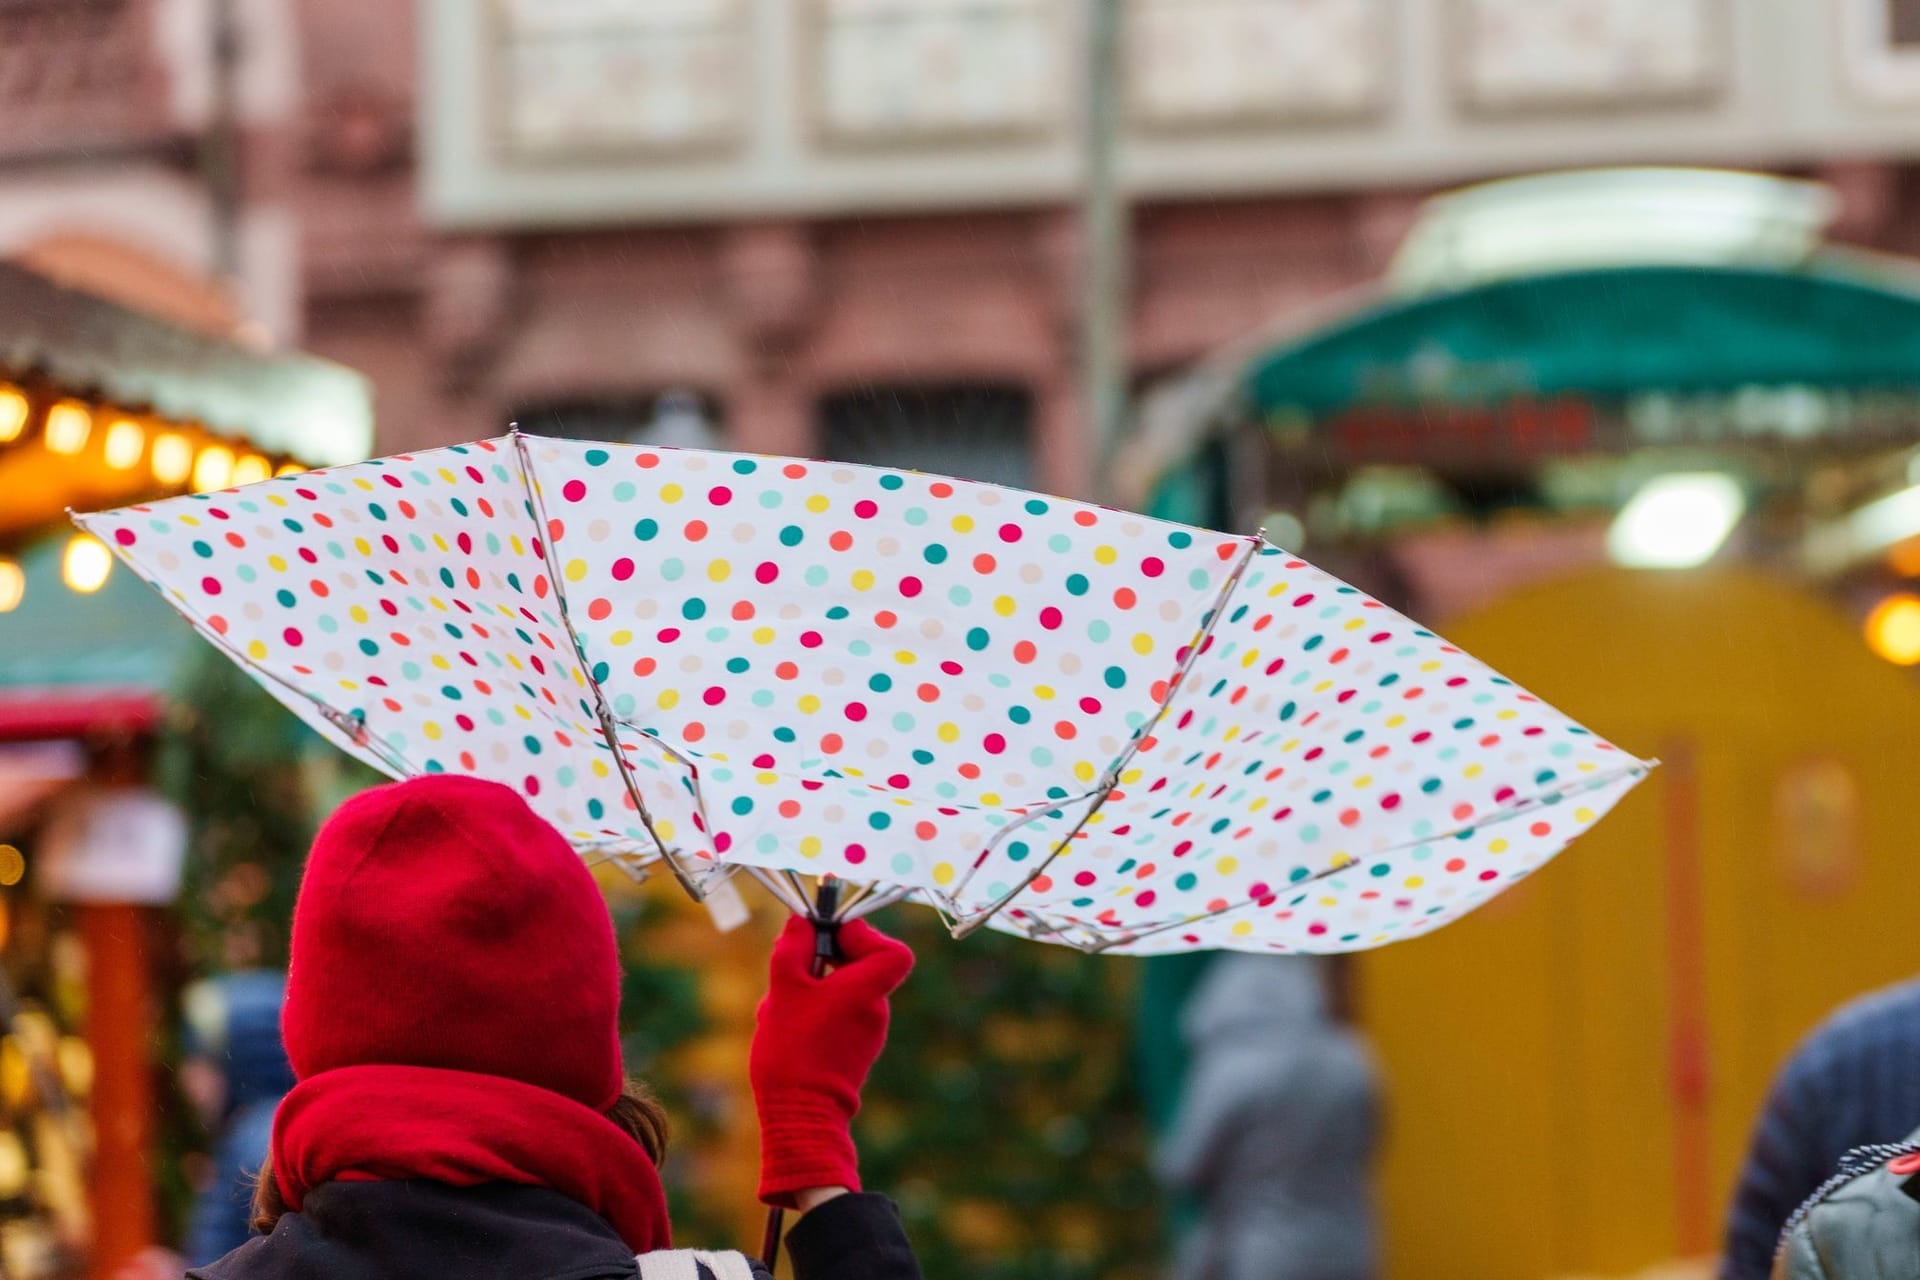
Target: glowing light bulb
[68,426]
[1893,629]
[213,469]
[251,469]
[172,458]
[13,585]
[14,410]
[1676,521]
[126,441]
[290,469]
[86,564]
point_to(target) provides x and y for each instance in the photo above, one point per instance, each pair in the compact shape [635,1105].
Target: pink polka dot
[719,495]
[856,711]
[714,696]
[622,569]
[1084,878]
[1051,618]
[123,536]
[574,490]
[994,743]
[210,585]
[910,586]
[293,637]
[1009,533]
[766,572]
[1153,566]
[866,508]
[856,854]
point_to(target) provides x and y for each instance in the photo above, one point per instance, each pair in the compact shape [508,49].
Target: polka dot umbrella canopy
[1068,722]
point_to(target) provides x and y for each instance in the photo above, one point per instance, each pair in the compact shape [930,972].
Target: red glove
[814,1041]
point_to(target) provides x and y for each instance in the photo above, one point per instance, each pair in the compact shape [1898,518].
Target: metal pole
[1103,226]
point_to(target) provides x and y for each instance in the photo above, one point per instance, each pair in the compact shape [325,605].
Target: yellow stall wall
[1573,1070]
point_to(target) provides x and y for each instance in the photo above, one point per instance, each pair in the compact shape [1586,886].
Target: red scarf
[385,1123]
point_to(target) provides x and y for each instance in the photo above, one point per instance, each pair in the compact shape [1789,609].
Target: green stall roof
[1605,332]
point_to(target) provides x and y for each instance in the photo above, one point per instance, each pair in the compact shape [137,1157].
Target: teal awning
[1604,333]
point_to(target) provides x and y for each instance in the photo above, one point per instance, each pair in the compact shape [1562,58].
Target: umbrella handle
[826,950]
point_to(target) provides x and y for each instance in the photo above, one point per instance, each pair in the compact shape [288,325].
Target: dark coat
[1854,1081]
[419,1230]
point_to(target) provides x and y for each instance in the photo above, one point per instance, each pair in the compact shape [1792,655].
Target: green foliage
[1002,1116]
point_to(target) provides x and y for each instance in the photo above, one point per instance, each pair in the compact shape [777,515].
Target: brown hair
[636,1113]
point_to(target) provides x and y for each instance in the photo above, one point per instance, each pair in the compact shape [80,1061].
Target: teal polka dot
[1180,540]
[1116,678]
[977,639]
[745,466]
[935,553]
[1077,584]
[791,536]
[742,805]
[960,596]
[647,530]
[891,481]
[595,458]
[694,609]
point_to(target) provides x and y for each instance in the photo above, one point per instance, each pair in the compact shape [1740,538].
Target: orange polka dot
[885,619]
[743,611]
[235,540]
[970,770]
[929,692]
[1541,829]
[789,808]
[1042,884]
[1456,864]
[556,530]
[1159,691]
[925,830]
[1461,812]
[1065,729]
[1085,519]
[786,671]
[696,530]
[648,461]
[1350,817]
[599,609]
[940,489]
[793,471]
[218,623]
[984,563]
[840,540]
[1025,651]
[1125,598]
[831,743]
[694,731]
[644,667]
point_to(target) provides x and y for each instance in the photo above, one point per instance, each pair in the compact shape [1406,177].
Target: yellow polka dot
[809,703]
[1362,782]
[1227,866]
[1354,624]
[513,660]
[1247,659]
[1329,901]
[1084,771]
[1394,722]
[362,483]
[523,713]
[276,500]
[576,570]
[357,613]
[1430,665]
[1143,644]
[1583,815]
[905,657]
[621,637]
[519,549]
[276,564]
[439,605]
[809,846]
[1278,588]
[1044,692]
[440,543]
[447,476]
[1132,776]
[192,522]
[818,503]
[1004,606]
[1496,846]
[432,730]
[1104,554]
[763,635]
[863,579]
[600,769]
[1259,803]
[963,524]
[1508,714]
[1242,928]
[766,778]
[350,685]
[948,732]
[671,492]
[668,699]
[1473,771]
[719,571]
[943,873]
[664,827]
[1323,686]
[364,547]
[991,799]
[1340,860]
[1414,882]
[256,650]
[440,661]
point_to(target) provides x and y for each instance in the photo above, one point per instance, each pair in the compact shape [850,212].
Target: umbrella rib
[1500,815]
[601,708]
[1111,780]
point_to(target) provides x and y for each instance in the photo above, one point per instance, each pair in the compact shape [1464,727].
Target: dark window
[1903,23]
[683,419]
[974,432]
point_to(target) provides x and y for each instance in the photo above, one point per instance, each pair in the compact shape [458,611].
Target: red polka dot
[994,743]
[1153,566]
[1009,533]
[646,462]
[210,585]
[856,711]
[856,854]
[714,696]
[293,637]
[866,508]
[719,495]
[910,587]
[574,490]
[766,572]
[622,569]
[793,470]
[1084,878]
[940,489]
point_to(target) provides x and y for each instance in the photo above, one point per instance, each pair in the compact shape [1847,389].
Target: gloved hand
[814,1041]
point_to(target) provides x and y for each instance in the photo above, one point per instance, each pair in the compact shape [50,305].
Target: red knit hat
[442,923]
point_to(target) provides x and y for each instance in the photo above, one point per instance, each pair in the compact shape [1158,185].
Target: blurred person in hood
[237,1072]
[1276,1128]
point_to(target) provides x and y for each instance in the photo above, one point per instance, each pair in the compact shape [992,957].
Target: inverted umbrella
[1073,723]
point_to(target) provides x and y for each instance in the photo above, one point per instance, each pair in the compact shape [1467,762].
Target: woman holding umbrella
[451,1015]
